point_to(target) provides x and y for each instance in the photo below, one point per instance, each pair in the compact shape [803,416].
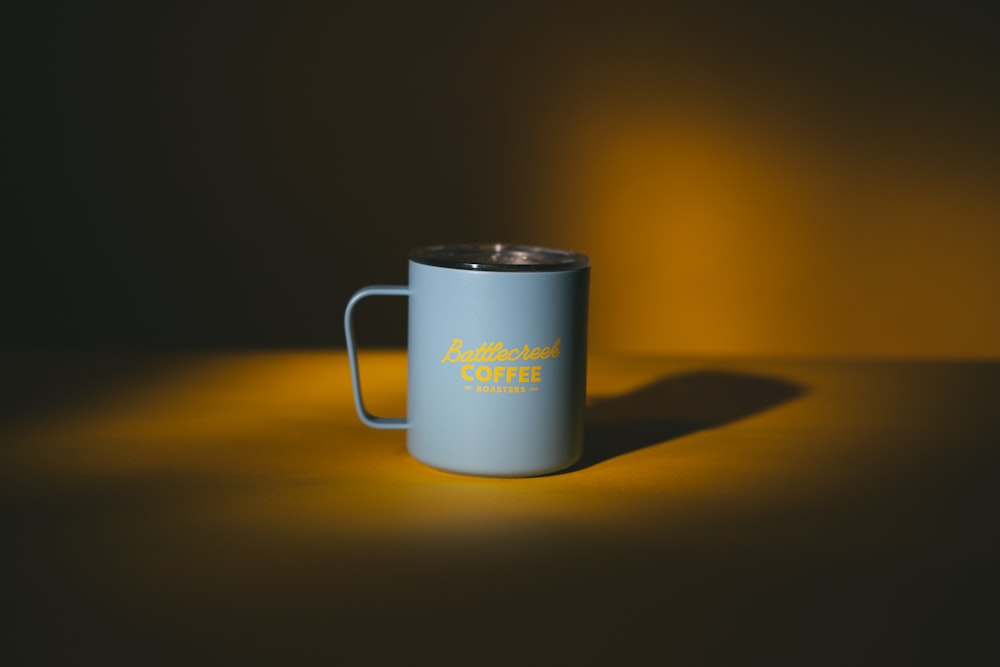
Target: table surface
[229,506]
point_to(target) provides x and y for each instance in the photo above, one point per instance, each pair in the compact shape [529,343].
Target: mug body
[497,358]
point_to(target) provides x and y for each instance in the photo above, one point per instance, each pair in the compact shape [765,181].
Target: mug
[496,358]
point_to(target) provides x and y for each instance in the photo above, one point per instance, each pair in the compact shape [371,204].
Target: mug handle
[367,417]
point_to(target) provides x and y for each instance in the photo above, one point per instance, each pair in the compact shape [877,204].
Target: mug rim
[503,257]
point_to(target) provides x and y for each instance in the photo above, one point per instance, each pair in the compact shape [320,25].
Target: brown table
[229,507]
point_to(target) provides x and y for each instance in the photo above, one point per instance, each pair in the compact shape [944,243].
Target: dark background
[227,174]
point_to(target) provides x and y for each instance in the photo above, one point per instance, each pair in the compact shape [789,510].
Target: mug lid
[499,257]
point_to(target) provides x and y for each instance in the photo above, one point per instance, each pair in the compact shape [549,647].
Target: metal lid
[499,257]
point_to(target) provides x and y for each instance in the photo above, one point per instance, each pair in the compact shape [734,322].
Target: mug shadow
[674,406]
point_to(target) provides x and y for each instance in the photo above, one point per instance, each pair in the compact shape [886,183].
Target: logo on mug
[490,368]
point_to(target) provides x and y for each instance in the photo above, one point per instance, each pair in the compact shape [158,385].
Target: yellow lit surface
[232,505]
